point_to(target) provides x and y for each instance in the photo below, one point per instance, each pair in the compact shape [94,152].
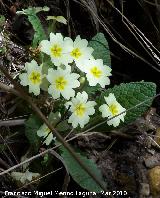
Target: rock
[151,151]
[154,180]
[157,136]
[152,161]
[144,189]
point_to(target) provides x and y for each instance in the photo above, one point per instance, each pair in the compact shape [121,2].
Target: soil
[125,161]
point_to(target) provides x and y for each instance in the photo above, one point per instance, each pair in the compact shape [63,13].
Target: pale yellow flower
[80,50]
[57,49]
[96,72]
[81,108]
[33,77]
[63,82]
[111,109]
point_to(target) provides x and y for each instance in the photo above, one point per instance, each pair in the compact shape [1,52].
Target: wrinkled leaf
[31,12]
[131,94]
[31,127]
[101,48]
[80,175]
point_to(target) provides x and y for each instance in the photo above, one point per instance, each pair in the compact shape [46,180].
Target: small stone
[157,136]
[151,151]
[152,161]
[154,180]
[144,189]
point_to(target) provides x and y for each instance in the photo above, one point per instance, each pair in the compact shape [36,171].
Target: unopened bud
[82,80]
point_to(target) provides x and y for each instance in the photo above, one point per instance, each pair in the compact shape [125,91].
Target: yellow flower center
[56,51]
[80,110]
[35,77]
[61,83]
[113,108]
[96,72]
[76,53]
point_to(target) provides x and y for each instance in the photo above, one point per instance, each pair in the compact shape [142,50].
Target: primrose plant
[74,75]
[72,60]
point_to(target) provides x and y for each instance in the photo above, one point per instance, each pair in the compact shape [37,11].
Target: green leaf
[40,9]
[3,50]
[78,174]
[39,34]
[131,94]
[45,84]
[31,12]
[31,127]
[2,21]
[63,126]
[59,19]
[89,89]
[45,66]
[55,118]
[92,89]
[101,48]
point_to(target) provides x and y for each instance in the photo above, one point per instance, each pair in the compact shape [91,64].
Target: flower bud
[82,80]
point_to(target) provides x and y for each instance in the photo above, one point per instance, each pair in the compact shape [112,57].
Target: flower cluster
[71,61]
